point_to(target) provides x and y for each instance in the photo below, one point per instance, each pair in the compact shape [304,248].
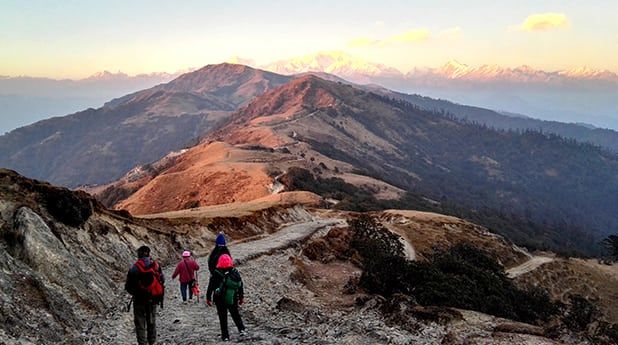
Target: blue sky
[78,38]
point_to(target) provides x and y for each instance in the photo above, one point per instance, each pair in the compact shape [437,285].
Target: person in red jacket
[186,273]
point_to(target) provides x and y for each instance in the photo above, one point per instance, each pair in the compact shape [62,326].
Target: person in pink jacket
[186,273]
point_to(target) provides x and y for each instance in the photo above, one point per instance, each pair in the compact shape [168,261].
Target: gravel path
[528,266]
[195,323]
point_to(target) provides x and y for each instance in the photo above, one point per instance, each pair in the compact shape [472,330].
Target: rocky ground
[63,259]
[285,304]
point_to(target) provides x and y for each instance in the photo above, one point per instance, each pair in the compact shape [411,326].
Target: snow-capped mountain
[106,76]
[454,70]
[337,63]
[362,71]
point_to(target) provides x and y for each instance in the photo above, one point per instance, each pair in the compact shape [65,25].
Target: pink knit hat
[225,261]
[186,254]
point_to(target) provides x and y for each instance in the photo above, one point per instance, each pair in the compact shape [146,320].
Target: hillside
[605,138]
[540,190]
[65,259]
[62,257]
[563,95]
[96,146]
[25,100]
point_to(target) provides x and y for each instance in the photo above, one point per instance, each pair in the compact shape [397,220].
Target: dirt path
[195,323]
[408,249]
[528,266]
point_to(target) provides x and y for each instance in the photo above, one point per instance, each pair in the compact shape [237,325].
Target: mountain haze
[24,100]
[99,145]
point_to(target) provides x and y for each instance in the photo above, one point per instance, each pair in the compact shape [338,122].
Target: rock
[440,315]
[35,242]
[288,304]
[520,328]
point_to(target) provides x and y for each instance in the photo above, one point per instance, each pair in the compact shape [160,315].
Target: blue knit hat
[220,240]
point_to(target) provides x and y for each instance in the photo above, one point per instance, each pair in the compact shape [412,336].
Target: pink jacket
[186,271]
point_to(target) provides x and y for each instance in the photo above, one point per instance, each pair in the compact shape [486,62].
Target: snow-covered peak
[453,69]
[334,62]
[588,73]
[107,75]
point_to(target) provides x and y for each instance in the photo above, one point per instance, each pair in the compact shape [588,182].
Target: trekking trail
[195,323]
[528,266]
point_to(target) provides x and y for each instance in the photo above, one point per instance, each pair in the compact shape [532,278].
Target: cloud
[410,36]
[543,22]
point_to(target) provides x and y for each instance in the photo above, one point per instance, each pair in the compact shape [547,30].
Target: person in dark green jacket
[226,289]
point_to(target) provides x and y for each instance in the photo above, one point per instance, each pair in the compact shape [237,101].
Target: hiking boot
[226,339]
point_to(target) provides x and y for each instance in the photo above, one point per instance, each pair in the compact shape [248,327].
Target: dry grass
[576,276]
[240,209]
[427,231]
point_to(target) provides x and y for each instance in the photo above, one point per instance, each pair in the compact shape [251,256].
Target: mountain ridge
[193,105]
[360,70]
[331,130]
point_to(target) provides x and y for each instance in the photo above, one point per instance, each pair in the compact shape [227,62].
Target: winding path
[194,323]
[528,266]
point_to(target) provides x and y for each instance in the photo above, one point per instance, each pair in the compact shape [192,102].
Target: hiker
[186,273]
[226,287]
[145,282]
[219,249]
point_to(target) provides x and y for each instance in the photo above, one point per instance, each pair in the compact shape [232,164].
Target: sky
[75,39]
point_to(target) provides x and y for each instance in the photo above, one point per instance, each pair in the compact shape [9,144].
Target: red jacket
[186,270]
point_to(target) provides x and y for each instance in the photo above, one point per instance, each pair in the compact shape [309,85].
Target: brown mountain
[99,145]
[329,138]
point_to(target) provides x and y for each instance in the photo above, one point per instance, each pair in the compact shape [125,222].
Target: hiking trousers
[144,315]
[222,309]
[183,291]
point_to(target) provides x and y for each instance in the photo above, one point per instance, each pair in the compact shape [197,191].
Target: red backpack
[151,281]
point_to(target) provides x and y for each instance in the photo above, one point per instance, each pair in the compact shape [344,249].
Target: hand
[241,301]
[209,302]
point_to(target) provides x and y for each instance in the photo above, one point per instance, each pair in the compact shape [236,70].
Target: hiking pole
[129,304]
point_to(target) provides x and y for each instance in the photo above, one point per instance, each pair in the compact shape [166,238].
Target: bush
[462,277]
[580,314]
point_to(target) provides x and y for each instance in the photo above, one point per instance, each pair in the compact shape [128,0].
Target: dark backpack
[230,283]
[150,282]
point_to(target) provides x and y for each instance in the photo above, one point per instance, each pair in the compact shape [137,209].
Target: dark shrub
[462,277]
[68,207]
[580,313]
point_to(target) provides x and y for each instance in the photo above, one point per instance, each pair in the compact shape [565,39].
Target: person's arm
[241,291]
[212,285]
[196,266]
[176,271]
[161,274]
[130,284]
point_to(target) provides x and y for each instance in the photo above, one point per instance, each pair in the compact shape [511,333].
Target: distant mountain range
[100,145]
[361,71]
[576,95]
[24,100]
[229,132]
[97,146]
[363,149]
